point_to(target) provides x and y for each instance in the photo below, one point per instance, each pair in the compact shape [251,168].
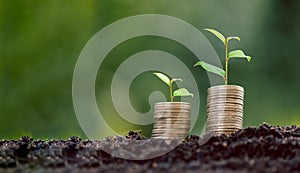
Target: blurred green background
[40,42]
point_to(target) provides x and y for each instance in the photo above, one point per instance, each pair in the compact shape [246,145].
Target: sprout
[179,92]
[228,56]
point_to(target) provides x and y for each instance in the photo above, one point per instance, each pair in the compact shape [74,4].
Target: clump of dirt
[254,149]
[135,135]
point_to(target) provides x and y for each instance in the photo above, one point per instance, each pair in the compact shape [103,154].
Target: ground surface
[262,149]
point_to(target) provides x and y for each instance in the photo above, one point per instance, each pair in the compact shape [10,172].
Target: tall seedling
[228,56]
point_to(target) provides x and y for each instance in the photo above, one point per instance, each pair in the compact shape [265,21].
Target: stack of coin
[171,120]
[224,109]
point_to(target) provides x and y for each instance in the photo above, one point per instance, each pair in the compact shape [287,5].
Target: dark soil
[253,149]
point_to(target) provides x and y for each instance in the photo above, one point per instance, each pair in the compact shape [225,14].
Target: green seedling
[179,92]
[228,56]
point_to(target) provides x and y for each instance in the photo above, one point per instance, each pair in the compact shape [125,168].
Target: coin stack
[224,109]
[171,120]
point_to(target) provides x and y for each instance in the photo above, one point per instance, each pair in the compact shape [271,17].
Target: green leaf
[182,92]
[177,79]
[235,38]
[211,68]
[238,54]
[217,34]
[163,77]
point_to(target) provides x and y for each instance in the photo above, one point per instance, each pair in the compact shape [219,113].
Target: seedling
[169,82]
[228,56]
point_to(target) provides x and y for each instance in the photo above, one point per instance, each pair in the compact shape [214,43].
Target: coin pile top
[224,108]
[171,120]
[226,87]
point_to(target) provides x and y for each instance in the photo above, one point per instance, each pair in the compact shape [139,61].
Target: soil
[254,149]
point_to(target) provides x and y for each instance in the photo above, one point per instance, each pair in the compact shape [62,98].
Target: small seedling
[228,56]
[169,82]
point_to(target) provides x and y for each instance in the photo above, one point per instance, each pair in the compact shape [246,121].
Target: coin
[171,127]
[222,129]
[224,114]
[225,94]
[224,108]
[228,119]
[222,132]
[225,111]
[172,116]
[172,111]
[171,120]
[223,126]
[226,87]
[173,105]
[171,130]
[224,101]
[225,91]
[171,124]
[221,122]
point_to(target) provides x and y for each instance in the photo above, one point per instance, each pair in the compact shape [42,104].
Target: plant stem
[226,61]
[171,89]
